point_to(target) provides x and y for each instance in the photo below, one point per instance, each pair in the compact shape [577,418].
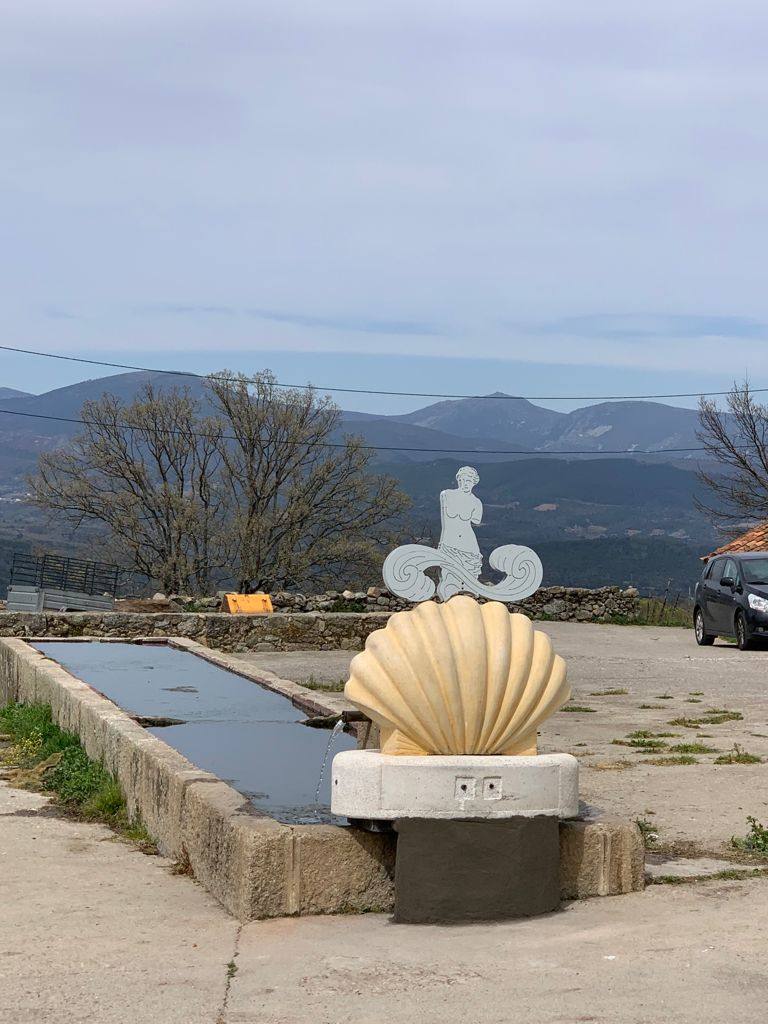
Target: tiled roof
[754,540]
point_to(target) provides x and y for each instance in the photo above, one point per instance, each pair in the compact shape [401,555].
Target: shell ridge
[469,651]
[498,644]
[413,719]
[428,713]
[441,651]
[541,669]
[521,660]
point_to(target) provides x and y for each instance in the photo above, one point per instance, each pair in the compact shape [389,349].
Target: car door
[726,599]
[710,592]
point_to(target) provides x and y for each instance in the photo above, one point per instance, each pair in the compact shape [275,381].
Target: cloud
[408,178]
[341,323]
[626,327]
[313,322]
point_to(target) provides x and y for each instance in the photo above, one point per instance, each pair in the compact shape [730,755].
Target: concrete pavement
[92,932]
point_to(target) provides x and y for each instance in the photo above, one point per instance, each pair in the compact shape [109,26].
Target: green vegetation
[738,756]
[650,746]
[714,716]
[644,734]
[648,831]
[756,839]
[692,748]
[326,685]
[342,605]
[696,693]
[578,708]
[608,693]
[651,707]
[668,762]
[656,611]
[645,742]
[44,757]
[728,875]
[664,696]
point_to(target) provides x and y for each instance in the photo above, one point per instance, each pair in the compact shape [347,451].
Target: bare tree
[148,471]
[304,507]
[736,438]
[260,490]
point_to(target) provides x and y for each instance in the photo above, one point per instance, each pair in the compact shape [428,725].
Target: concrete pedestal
[368,785]
[459,871]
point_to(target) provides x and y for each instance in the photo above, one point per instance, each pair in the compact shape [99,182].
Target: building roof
[754,540]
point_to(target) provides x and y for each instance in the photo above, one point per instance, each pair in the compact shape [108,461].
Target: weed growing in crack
[756,839]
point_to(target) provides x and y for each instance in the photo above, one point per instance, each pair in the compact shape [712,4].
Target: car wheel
[742,637]
[703,638]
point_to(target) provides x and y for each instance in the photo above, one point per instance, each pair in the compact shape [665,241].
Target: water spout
[339,727]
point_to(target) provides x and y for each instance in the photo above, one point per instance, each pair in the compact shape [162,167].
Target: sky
[540,197]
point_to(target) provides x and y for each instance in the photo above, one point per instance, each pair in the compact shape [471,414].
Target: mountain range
[497,427]
[547,478]
[515,425]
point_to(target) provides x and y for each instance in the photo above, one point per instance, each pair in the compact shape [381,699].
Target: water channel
[247,735]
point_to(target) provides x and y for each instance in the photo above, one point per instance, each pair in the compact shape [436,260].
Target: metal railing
[56,572]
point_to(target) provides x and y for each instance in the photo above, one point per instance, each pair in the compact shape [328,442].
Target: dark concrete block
[453,871]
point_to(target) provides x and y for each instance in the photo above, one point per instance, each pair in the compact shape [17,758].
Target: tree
[249,483]
[305,509]
[737,439]
[148,471]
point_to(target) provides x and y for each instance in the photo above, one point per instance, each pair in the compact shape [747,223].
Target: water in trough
[245,734]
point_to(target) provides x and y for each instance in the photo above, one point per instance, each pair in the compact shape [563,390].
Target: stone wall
[277,632]
[562,603]
[295,630]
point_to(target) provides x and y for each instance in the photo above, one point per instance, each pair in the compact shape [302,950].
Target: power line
[371,391]
[371,447]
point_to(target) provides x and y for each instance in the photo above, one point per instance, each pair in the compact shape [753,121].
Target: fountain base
[369,785]
[460,871]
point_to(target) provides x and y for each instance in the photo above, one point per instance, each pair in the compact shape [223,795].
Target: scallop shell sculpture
[458,678]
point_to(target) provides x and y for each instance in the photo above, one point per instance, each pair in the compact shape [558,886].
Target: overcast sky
[558,196]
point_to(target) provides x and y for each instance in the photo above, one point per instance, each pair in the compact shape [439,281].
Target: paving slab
[691,954]
[91,930]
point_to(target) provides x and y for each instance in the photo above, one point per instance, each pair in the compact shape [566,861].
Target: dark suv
[732,599]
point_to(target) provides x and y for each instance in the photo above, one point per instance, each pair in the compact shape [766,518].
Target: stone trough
[254,865]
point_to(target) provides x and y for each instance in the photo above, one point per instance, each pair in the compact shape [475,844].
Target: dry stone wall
[303,625]
[562,603]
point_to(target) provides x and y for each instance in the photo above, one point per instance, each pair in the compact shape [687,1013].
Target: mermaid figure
[460,510]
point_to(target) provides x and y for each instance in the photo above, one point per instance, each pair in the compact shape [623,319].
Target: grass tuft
[756,839]
[608,693]
[738,756]
[325,685]
[671,760]
[693,748]
[579,708]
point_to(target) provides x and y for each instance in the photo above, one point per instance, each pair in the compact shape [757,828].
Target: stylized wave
[405,568]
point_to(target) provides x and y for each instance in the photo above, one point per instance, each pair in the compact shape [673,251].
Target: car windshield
[755,570]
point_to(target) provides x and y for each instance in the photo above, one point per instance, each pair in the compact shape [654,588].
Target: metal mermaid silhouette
[458,556]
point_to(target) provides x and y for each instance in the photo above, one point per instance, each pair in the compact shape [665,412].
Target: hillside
[555,504]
